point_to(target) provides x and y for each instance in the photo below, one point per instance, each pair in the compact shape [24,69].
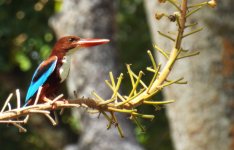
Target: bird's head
[69,44]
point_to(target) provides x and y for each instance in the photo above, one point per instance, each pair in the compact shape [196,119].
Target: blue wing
[42,73]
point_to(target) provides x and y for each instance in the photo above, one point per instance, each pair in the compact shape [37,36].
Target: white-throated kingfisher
[54,70]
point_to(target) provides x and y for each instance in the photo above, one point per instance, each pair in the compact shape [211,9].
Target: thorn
[99,115]
[191,25]
[18,98]
[9,106]
[174,4]
[26,119]
[21,128]
[189,55]
[51,119]
[75,94]
[61,111]
[161,51]
[57,98]
[192,32]
[193,11]
[166,36]
[38,95]
[158,102]
[6,102]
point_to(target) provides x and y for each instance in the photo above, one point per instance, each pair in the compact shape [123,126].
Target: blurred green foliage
[24,33]
[26,39]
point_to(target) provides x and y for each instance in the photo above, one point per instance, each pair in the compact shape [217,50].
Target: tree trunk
[93,18]
[202,117]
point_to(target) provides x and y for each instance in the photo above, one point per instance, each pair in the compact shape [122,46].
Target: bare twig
[6,102]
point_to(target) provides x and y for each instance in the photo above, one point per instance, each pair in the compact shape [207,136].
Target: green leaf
[23,61]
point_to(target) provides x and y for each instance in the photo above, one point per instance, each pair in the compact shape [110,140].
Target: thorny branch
[141,93]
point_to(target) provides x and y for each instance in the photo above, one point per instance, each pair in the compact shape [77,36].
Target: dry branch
[140,94]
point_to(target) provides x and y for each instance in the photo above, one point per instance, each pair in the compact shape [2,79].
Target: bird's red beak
[91,42]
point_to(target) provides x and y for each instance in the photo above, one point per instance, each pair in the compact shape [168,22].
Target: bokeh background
[28,30]
[27,38]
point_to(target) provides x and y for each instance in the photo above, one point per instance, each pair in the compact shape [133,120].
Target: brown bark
[90,67]
[202,116]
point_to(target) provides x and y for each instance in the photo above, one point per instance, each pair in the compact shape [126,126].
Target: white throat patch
[71,51]
[64,69]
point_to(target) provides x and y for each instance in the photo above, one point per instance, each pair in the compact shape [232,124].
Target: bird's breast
[64,69]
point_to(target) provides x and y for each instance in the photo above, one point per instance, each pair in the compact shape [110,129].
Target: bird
[55,69]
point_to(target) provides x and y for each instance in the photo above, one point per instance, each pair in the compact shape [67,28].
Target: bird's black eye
[71,39]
